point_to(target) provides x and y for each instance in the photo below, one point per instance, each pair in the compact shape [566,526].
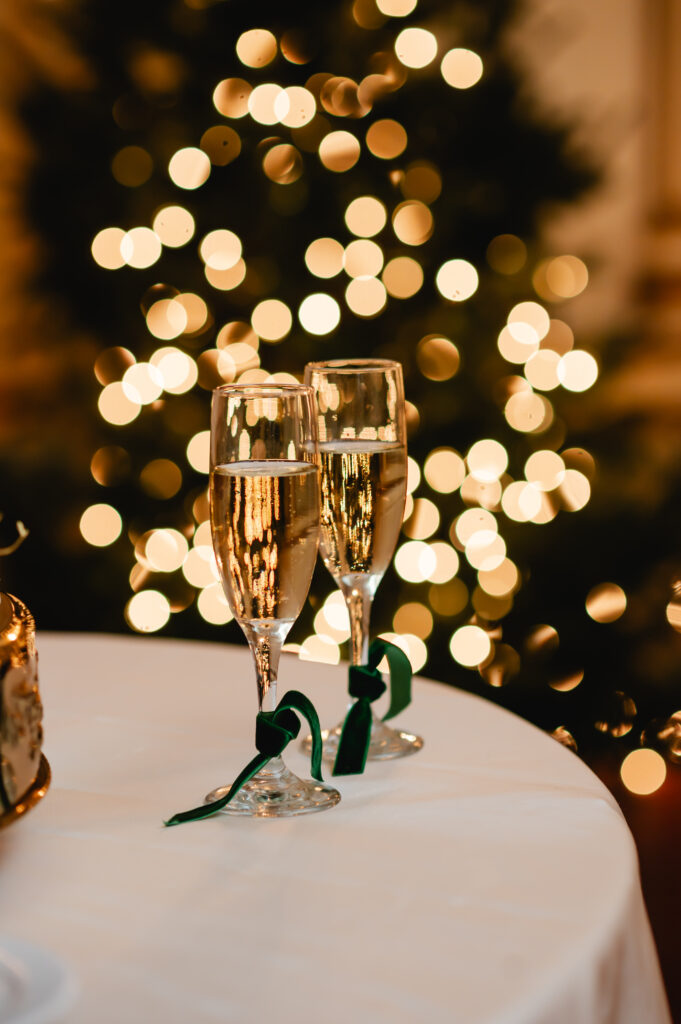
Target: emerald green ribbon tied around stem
[366,685]
[274,730]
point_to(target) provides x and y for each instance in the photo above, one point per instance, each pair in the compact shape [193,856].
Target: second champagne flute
[363,454]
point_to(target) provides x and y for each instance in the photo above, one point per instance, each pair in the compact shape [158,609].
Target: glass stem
[358,598]
[265,641]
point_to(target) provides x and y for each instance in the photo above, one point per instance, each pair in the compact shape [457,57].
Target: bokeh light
[437,358]
[415,618]
[230,97]
[423,521]
[444,470]
[174,226]
[339,151]
[366,216]
[507,254]
[256,48]
[272,320]
[148,611]
[545,470]
[470,646]
[606,602]
[412,222]
[416,47]
[106,248]
[386,139]
[264,104]
[166,550]
[402,277]
[220,249]
[319,313]
[100,525]
[142,383]
[487,460]
[324,257]
[363,258]
[161,478]
[295,106]
[132,166]
[212,605]
[577,370]
[115,406]
[415,561]
[198,451]
[366,296]
[189,168]
[396,9]
[643,771]
[457,280]
[140,248]
[461,68]
[221,144]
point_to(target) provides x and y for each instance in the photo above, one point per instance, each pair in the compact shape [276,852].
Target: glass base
[275,792]
[385,743]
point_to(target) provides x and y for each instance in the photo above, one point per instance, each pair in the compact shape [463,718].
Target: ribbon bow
[274,730]
[366,685]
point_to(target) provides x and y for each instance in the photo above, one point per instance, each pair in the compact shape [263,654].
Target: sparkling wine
[363,488]
[265,524]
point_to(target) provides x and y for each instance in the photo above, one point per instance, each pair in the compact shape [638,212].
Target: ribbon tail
[297,701]
[400,678]
[206,810]
[353,745]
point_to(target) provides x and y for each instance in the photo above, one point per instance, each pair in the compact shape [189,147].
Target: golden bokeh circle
[256,48]
[402,277]
[366,296]
[189,168]
[283,164]
[386,139]
[606,602]
[461,68]
[507,254]
[230,97]
[174,225]
[324,257]
[412,222]
[339,151]
[363,258]
[366,216]
[437,358]
[416,47]
[421,180]
[132,166]
[221,144]
[457,280]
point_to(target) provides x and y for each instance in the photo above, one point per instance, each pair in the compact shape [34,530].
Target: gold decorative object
[24,771]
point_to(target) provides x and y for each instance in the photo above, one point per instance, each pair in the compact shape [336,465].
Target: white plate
[35,986]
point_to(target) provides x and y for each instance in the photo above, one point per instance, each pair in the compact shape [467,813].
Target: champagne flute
[363,455]
[264,513]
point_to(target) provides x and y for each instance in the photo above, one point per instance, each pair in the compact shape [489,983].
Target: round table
[488,878]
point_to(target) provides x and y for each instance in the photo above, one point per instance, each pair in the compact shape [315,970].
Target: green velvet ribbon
[274,730]
[366,685]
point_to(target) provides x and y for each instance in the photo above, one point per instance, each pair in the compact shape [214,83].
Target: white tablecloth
[488,878]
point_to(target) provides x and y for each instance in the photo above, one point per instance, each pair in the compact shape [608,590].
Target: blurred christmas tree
[240,188]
